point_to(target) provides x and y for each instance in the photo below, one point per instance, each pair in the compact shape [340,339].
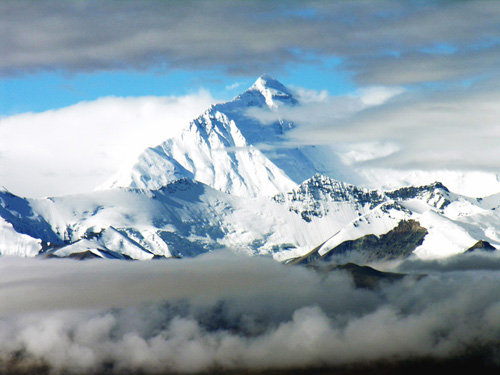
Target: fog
[225,312]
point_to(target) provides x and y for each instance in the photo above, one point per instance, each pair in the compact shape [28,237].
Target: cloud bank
[458,129]
[387,43]
[224,312]
[76,148]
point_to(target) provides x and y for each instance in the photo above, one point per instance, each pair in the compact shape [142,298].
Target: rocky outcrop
[481,246]
[398,243]
[310,199]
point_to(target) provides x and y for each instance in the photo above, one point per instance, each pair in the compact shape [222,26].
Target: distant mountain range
[229,181]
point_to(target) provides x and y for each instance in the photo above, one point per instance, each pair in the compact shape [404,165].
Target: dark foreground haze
[226,314]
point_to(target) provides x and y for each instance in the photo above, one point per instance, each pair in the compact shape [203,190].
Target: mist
[223,312]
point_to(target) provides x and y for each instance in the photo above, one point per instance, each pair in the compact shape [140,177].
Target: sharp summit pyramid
[231,151]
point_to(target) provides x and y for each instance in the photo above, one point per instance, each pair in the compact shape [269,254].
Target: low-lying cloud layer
[221,311]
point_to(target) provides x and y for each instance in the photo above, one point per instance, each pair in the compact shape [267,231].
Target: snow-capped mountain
[187,218]
[229,181]
[229,150]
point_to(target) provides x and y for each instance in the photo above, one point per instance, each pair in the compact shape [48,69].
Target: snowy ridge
[311,197]
[187,218]
[378,221]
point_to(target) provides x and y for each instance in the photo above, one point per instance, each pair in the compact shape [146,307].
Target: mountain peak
[274,92]
[265,81]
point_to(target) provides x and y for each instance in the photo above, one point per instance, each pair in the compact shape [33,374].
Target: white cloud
[458,129]
[354,153]
[390,127]
[319,112]
[76,148]
[234,86]
[376,95]
[391,136]
[222,312]
[306,95]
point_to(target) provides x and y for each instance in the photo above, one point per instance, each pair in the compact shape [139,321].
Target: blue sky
[53,90]
[56,55]
[48,90]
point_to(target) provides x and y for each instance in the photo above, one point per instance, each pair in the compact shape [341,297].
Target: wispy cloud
[234,86]
[457,129]
[376,95]
[395,128]
[320,115]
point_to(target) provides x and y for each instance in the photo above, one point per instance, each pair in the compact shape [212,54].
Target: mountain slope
[230,181]
[187,218]
[229,150]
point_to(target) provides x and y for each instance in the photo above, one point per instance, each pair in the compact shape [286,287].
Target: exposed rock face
[414,191]
[481,246]
[435,194]
[310,199]
[398,243]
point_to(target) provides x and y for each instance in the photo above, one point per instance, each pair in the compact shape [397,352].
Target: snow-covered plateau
[229,181]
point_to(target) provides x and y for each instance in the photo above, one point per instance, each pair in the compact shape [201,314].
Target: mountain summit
[231,151]
[274,92]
